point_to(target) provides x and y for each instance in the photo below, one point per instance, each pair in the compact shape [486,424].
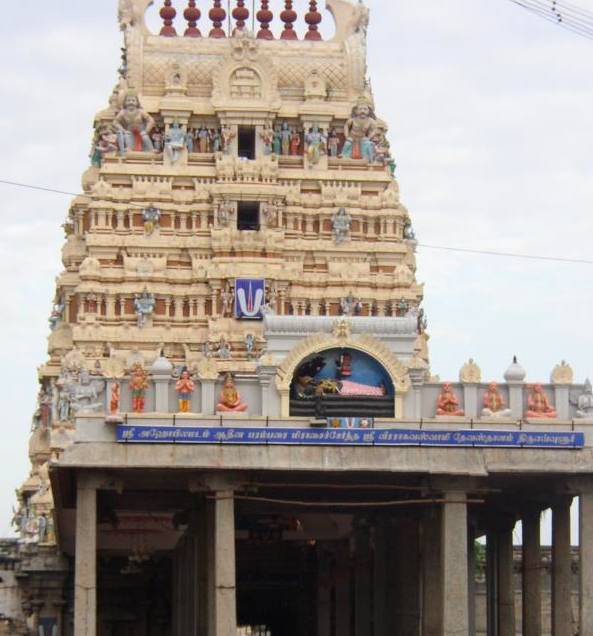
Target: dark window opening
[248,215]
[246,142]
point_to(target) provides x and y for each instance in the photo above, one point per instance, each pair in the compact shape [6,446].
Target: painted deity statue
[315,140]
[115,399]
[138,386]
[250,345]
[175,142]
[382,148]
[105,143]
[230,400]
[448,404]
[494,405]
[185,388]
[227,135]
[224,349]
[584,403]
[285,135]
[267,137]
[341,224]
[144,306]
[151,217]
[350,306]
[216,140]
[277,141]
[133,127]
[333,143]
[204,139]
[295,142]
[538,405]
[359,130]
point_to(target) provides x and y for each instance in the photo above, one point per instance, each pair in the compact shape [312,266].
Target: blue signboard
[348,437]
[250,297]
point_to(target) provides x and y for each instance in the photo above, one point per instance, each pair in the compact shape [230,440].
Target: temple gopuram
[237,430]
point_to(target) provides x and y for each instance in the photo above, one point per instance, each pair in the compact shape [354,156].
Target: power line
[557,259]
[534,257]
[574,19]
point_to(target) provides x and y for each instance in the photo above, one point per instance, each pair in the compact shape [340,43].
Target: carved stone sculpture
[359,130]
[138,386]
[133,126]
[151,217]
[562,373]
[341,225]
[185,388]
[315,142]
[144,305]
[538,405]
[470,373]
[447,403]
[584,402]
[494,405]
[175,142]
[230,400]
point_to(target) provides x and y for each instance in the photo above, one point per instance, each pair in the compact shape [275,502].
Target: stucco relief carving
[365,343]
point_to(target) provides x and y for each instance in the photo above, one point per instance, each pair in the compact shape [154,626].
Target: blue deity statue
[175,141]
[144,305]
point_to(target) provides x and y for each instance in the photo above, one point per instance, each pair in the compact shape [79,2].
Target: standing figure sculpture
[267,137]
[115,399]
[156,137]
[295,142]
[175,142]
[448,404]
[138,386]
[133,126]
[106,142]
[333,143]
[359,130]
[185,388]
[227,135]
[285,135]
[216,140]
[229,399]
[144,306]
[315,145]
[494,405]
[538,405]
[204,139]
[151,217]
[277,141]
[341,225]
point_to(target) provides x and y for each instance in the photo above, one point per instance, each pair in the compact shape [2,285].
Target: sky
[489,110]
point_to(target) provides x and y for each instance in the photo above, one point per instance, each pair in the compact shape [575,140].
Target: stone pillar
[471,574]
[492,583]
[562,619]
[417,378]
[265,375]
[343,604]
[225,606]
[532,595]
[516,398]
[506,583]
[161,392]
[362,580]
[406,604]
[561,401]
[85,581]
[323,591]
[380,604]
[454,564]
[470,399]
[432,577]
[586,562]
[208,403]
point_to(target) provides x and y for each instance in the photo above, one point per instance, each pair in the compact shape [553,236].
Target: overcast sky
[490,114]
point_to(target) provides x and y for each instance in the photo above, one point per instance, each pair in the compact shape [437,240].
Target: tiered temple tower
[238,353]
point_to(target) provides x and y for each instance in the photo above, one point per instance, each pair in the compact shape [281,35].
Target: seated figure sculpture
[358,131]
[538,405]
[493,401]
[230,400]
[448,404]
[133,127]
[585,402]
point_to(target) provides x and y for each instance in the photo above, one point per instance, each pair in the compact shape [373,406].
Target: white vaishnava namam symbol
[249,300]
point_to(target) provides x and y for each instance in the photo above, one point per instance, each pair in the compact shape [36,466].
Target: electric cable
[465,250]
[579,22]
